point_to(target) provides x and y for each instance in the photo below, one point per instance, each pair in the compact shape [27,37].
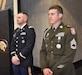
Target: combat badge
[73,44]
[3,44]
[61,34]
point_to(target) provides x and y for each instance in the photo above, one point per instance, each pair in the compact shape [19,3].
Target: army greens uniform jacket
[58,50]
[22,45]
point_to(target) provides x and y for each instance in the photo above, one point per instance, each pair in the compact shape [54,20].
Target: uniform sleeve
[13,52]
[43,54]
[69,53]
[43,61]
[27,50]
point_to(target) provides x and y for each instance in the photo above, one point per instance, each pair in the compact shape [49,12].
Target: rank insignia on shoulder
[30,27]
[73,32]
[68,26]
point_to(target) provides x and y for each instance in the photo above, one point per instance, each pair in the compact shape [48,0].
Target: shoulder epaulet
[68,26]
[72,29]
[30,26]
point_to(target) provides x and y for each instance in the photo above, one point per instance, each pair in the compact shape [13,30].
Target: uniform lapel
[58,30]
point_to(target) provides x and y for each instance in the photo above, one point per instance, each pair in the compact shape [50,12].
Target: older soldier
[22,45]
[59,45]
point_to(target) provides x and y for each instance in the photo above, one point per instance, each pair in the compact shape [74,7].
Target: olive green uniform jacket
[58,50]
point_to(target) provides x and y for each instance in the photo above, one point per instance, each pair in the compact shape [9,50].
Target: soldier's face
[21,19]
[53,16]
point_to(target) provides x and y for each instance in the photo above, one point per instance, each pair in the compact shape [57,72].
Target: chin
[51,23]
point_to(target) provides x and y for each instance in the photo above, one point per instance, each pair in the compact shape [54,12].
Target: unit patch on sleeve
[73,32]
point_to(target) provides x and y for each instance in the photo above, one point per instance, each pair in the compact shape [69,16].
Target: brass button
[16,41]
[16,45]
[51,41]
[16,49]
[51,46]
[51,52]
[46,45]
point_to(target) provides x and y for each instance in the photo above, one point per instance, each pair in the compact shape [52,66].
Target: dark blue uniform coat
[22,44]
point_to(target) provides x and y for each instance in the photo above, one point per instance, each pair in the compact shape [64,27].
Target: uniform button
[46,45]
[22,37]
[51,46]
[51,52]
[23,41]
[61,26]
[16,45]
[51,41]
[16,37]
[16,49]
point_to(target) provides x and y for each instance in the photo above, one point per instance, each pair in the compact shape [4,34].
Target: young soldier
[59,45]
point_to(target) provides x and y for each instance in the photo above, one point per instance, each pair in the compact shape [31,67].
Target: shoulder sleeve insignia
[73,32]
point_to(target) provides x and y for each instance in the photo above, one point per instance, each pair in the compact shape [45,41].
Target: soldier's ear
[60,15]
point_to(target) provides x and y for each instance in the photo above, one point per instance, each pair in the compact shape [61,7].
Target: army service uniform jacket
[58,50]
[22,44]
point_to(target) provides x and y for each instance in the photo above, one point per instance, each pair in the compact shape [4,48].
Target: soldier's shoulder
[30,27]
[71,29]
[68,26]
[16,29]
[47,29]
